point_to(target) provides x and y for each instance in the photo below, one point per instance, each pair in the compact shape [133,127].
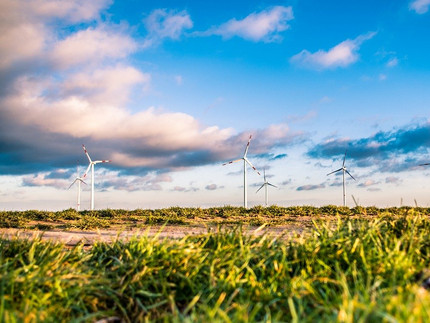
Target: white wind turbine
[91,165]
[344,170]
[245,161]
[265,184]
[79,180]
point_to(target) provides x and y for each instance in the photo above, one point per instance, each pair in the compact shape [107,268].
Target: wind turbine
[344,170]
[91,165]
[265,184]
[245,161]
[79,180]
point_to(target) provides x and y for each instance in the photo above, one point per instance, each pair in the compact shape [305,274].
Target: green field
[70,219]
[353,265]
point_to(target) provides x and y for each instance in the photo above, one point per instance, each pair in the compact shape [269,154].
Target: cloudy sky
[170,90]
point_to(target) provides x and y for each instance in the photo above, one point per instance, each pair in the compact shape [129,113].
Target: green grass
[357,270]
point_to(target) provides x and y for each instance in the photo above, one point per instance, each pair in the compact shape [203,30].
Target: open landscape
[297,264]
[214,161]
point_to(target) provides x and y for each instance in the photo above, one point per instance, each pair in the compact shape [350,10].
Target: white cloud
[149,182]
[42,180]
[211,187]
[104,86]
[20,42]
[382,77]
[92,45]
[419,6]
[38,10]
[24,33]
[81,95]
[162,23]
[184,189]
[262,26]
[87,111]
[151,138]
[368,183]
[393,180]
[74,11]
[393,62]
[341,55]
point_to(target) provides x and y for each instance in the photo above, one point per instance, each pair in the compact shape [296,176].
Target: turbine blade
[426,164]
[350,174]
[250,164]
[260,188]
[335,171]
[86,172]
[247,146]
[72,183]
[264,172]
[272,184]
[86,153]
[355,202]
[101,161]
[233,161]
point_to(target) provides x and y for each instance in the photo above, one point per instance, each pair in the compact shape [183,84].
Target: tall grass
[356,270]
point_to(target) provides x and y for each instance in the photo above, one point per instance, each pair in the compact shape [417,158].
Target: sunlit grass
[355,270]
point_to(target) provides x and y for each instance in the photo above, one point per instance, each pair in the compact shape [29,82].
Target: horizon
[169,91]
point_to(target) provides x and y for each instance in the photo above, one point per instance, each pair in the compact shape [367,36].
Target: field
[70,219]
[348,265]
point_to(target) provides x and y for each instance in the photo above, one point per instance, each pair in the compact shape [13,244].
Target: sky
[170,90]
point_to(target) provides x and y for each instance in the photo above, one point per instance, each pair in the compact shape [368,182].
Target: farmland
[360,264]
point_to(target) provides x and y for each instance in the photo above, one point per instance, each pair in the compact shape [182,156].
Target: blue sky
[170,90]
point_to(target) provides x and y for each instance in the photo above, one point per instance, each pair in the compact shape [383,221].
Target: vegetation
[359,270]
[128,219]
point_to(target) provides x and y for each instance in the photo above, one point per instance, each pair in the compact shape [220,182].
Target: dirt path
[72,238]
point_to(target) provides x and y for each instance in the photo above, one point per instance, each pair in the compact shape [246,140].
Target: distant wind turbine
[344,170]
[79,180]
[265,184]
[245,161]
[91,165]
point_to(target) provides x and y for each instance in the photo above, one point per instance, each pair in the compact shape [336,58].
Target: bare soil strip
[71,238]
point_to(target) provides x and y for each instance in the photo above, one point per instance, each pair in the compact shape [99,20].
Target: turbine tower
[245,161]
[265,184]
[344,170]
[79,180]
[91,165]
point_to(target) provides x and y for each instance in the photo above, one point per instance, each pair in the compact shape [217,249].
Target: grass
[357,270]
[70,219]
